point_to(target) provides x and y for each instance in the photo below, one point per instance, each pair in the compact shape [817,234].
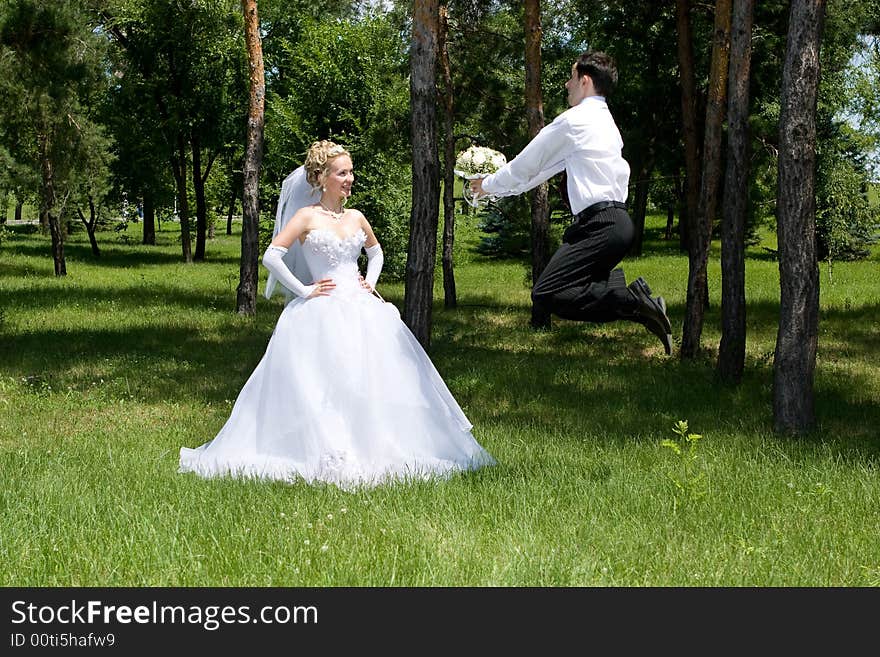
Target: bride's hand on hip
[323,288]
[364,284]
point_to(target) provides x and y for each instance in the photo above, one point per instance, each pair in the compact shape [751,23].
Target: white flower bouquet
[477,162]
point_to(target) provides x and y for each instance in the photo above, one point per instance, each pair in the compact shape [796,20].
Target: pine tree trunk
[91,223]
[797,337]
[47,204]
[201,205]
[689,119]
[419,285]
[450,299]
[233,197]
[640,202]
[149,219]
[179,166]
[732,350]
[700,229]
[535,115]
[246,297]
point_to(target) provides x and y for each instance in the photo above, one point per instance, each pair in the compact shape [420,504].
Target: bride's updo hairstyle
[318,158]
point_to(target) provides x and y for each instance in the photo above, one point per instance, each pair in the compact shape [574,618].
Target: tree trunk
[450,299]
[732,350]
[90,224]
[797,337]
[246,297]
[233,197]
[701,228]
[201,205]
[535,116]
[149,219]
[670,209]
[47,204]
[640,202]
[419,286]
[178,164]
[57,233]
[18,207]
[689,119]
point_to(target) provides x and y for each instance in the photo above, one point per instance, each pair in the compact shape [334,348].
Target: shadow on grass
[617,383]
[574,382]
[162,297]
[157,363]
[114,254]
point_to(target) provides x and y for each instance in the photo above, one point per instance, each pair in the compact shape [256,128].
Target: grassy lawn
[106,373]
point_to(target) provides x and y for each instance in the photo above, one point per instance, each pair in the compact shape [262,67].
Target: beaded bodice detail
[331,256]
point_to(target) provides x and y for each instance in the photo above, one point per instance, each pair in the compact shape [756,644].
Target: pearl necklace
[336,216]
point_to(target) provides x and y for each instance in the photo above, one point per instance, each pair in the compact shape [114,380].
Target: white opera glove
[273,262]
[375,260]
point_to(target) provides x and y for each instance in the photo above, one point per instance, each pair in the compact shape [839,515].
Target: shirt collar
[600,99]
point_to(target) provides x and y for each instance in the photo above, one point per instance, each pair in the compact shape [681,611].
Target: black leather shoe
[651,313]
[642,283]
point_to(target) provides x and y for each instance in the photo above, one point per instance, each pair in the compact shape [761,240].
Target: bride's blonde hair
[318,159]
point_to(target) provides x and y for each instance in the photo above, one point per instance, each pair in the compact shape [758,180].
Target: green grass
[106,373]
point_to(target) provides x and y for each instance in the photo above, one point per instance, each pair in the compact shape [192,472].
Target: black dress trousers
[578,282]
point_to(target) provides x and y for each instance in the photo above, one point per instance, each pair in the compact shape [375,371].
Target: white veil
[296,193]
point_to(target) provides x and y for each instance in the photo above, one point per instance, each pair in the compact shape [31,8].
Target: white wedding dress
[344,394]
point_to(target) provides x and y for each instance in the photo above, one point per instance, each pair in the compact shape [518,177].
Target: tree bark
[419,285]
[797,337]
[640,201]
[732,350]
[701,228]
[246,297]
[233,197]
[18,207]
[689,119]
[201,205]
[149,219]
[90,225]
[47,204]
[535,116]
[670,209]
[178,165]
[450,299]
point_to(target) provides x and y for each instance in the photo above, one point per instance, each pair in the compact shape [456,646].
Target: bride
[344,394]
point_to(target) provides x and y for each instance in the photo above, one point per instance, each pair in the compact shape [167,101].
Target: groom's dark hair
[601,69]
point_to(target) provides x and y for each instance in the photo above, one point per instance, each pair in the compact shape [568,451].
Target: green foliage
[346,81]
[847,133]
[846,223]
[51,65]
[179,76]
[489,101]
[507,223]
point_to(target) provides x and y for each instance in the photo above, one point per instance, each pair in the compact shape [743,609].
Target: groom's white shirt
[583,140]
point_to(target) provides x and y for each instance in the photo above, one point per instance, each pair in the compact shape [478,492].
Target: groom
[578,282]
